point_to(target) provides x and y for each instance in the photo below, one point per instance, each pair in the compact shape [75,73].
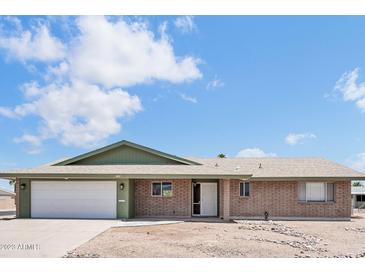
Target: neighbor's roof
[4,192]
[255,168]
[358,190]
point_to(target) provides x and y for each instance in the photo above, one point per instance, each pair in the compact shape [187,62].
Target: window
[360,198]
[244,189]
[166,189]
[162,189]
[316,192]
[330,192]
[156,189]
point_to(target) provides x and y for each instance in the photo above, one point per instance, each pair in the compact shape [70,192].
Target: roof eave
[307,178]
[122,176]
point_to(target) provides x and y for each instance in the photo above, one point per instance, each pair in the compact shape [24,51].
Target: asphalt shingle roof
[275,167]
[258,168]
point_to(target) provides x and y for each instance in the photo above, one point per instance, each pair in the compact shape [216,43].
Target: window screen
[244,189]
[330,192]
[315,192]
[301,192]
[156,189]
[163,189]
[166,189]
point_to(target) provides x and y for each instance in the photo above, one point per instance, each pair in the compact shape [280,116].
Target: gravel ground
[283,239]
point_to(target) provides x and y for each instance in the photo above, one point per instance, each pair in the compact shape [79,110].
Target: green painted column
[125,199]
[24,198]
[131,199]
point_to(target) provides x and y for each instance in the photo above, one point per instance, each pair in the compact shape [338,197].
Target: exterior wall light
[121,186]
[22,186]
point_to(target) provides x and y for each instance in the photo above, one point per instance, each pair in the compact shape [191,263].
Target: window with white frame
[244,189]
[316,192]
[161,189]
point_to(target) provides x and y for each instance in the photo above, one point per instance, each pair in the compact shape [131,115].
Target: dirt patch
[283,239]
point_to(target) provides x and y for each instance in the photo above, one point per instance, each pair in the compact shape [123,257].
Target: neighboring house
[358,196]
[7,199]
[126,180]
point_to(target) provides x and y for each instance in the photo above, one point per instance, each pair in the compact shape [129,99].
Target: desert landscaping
[283,239]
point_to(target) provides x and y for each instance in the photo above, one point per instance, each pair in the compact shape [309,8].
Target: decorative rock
[308,243]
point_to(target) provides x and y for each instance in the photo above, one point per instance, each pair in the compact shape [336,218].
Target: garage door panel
[69,195]
[76,185]
[73,199]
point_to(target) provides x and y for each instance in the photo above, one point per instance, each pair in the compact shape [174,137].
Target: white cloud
[122,54]
[37,45]
[357,162]
[254,153]
[33,140]
[79,114]
[7,112]
[185,23]
[350,90]
[188,98]
[215,83]
[35,143]
[298,138]
[83,98]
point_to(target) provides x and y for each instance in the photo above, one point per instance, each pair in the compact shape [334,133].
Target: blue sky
[192,86]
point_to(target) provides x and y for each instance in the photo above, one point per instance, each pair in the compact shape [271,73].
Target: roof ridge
[273,157]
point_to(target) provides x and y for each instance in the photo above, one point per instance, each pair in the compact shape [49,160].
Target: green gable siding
[125,155]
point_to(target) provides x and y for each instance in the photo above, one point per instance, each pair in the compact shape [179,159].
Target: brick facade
[179,205]
[221,198]
[281,199]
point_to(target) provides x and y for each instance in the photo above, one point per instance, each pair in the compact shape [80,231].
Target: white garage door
[73,199]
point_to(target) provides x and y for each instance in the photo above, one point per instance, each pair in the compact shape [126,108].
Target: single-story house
[7,199]
[358,196]
[127,180]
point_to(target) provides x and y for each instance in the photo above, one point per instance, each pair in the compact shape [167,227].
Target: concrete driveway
[47,238]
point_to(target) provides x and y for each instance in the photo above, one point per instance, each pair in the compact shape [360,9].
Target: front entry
[205,196]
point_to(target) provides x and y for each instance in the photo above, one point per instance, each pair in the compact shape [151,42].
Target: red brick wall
[178,205]
[281,199]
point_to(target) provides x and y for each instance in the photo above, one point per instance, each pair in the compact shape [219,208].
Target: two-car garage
[74,199]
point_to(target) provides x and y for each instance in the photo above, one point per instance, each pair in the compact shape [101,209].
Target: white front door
[208,199]
[73,199]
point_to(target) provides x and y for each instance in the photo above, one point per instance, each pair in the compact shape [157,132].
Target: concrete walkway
[134,223]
